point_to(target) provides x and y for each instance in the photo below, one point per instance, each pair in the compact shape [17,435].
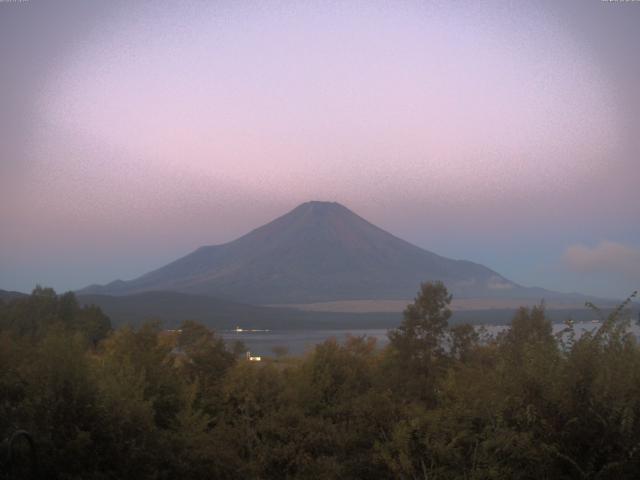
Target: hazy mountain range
[321,252]
[172,308]
[7,295]
[328,266]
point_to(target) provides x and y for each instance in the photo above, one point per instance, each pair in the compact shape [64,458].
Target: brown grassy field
[392,306]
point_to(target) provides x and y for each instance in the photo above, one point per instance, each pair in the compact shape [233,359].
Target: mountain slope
[319,251]
[10,295]
[172,308]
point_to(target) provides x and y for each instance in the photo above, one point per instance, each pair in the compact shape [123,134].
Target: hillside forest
[440,401]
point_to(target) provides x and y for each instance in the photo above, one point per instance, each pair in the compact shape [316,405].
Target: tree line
[437,402]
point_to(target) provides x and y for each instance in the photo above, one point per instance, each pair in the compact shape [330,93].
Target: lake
[299,342]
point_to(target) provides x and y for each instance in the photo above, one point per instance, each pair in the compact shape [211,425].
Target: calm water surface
[299,342]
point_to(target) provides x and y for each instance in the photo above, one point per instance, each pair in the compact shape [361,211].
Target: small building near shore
[252,358]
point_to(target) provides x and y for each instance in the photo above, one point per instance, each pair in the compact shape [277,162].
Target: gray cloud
[607,257]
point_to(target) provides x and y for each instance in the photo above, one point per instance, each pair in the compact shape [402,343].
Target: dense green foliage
[437,402]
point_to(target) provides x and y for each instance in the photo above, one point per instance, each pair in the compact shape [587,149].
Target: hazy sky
[507,133]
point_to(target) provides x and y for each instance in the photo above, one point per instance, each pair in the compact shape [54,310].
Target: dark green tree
[417,346]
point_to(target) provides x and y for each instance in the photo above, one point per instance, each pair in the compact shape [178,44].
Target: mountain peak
[319,251]
[321,204]
[314,214]
[318,206]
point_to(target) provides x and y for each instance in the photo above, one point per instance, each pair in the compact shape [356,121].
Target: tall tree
[417,346]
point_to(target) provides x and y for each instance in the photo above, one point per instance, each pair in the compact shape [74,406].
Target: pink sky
[469,128]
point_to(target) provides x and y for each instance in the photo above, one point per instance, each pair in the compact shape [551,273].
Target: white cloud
[607,257]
